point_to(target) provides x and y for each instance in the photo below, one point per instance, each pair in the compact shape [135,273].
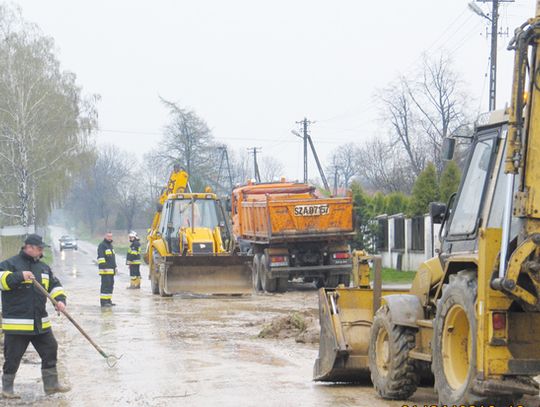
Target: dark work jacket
[23,306]
[134,252]
[106,258]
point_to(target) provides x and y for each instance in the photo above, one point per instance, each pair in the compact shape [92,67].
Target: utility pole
[494,20]
[256,173]
[307,139]
[224,159]
[305,136]
[335,179]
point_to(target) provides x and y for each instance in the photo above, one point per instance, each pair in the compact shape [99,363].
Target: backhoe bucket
[225,275]
[345,317]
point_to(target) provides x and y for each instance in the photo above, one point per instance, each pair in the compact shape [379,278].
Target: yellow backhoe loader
[472,315]
[190,247]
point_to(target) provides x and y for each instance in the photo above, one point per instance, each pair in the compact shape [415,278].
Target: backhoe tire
[256,273]
[393,373]
[454,342]
[268,284]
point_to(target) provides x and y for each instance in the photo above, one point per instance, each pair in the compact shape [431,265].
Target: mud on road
[237,351]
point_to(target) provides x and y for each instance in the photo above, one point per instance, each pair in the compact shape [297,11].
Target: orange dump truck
[293,233]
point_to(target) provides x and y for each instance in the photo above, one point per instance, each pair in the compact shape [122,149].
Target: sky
[253,68]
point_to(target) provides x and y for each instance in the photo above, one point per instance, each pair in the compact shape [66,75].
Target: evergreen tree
[450,179]
[425,190]
[396,202]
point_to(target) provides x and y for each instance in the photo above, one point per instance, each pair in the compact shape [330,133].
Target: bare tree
[95,195]
[271,168]
[189,142]
[398,112]
[382,166]
[344,164]
[440,102]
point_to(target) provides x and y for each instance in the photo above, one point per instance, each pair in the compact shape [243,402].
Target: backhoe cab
[476,329]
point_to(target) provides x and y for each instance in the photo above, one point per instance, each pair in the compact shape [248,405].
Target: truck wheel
[393,373]
[345,279]
[454,344]
[268,284]
[331,281]
[256,273]
[282,284]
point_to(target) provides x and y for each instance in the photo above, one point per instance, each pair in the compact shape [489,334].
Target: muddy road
[181,351]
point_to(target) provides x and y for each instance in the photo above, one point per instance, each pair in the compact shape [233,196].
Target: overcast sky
[252,68]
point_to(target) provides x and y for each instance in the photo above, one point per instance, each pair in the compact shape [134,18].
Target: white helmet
[133,234]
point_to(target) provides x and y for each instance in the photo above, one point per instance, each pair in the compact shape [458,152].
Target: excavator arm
[522,150]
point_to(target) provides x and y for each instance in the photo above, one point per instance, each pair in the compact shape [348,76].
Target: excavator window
[200,212]
[467,208]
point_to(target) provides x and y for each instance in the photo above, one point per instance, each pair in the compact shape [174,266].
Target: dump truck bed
[293,212]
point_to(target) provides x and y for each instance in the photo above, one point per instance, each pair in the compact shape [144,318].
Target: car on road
[68,242]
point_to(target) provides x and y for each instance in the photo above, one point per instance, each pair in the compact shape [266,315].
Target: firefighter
[107,269]
[24,314]
[133,259]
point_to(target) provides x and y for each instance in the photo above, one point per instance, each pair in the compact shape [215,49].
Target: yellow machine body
[190,247]
[472,314]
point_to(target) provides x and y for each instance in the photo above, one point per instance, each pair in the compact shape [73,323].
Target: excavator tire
[455,320]
[268,284]
[393,373]
[256,273]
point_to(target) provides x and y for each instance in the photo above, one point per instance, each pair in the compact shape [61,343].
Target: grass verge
[393,276]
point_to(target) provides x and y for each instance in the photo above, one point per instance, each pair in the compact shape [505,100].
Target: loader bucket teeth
[209,275]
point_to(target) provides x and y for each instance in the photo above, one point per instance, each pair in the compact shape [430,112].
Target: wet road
[181,351]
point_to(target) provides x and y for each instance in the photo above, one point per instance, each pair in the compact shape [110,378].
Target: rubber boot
[132,284]
[50,382]
[138,283]
[7,387]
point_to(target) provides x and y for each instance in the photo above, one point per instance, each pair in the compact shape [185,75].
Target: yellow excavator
[190,247]
[472,316]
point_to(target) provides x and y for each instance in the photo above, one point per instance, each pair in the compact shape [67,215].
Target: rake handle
[68,316]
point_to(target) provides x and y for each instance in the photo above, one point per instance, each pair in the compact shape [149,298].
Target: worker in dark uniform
[107,269]
[24,314]
[133,259]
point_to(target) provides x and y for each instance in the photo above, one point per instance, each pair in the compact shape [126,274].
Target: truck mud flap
[345,317]
[217,275]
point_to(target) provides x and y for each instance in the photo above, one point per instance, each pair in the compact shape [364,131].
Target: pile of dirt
[302,326]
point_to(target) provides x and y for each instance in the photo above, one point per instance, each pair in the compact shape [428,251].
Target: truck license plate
[310,210]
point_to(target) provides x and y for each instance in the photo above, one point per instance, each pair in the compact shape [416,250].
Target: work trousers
[107,286]
[134,270]
[15,346]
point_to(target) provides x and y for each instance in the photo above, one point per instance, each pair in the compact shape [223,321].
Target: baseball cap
[35,240]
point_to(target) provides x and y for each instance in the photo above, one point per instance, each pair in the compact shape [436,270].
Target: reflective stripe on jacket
[134,252]
[23,306]
[106,258]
